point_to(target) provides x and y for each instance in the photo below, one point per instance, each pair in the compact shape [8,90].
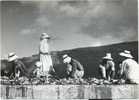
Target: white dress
[45,57]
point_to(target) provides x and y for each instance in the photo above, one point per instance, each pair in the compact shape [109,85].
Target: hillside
[89,57]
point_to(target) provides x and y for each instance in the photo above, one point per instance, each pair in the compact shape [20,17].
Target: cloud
[26,31]
[114,20]
[71,23]
[95,18]
[42,21]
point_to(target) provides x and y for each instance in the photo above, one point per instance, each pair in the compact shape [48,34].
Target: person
[74,68]
[19,67]
[129,68]
[37,71]
[45,57]
[107,67]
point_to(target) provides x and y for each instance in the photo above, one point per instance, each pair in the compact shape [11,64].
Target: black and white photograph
[69,50]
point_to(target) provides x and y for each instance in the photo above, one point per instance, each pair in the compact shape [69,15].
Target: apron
[45,57]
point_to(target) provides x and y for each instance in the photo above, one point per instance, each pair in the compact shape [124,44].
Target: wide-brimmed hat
[45,35]
[126,53]
[66,58]
[12,56]
[108,56]
[38,64]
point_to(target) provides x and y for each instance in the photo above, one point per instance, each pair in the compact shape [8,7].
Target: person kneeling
[74,69]
[19,67]
[129,68]
[107,68]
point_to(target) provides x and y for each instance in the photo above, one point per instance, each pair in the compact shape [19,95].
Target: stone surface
[91,92]
[45,92]
[3,91]
[125,91]
[29,92]
[70,92]
[103,91]
[76,92]
[15,92]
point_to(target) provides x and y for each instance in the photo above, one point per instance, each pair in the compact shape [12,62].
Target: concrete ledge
[70,91]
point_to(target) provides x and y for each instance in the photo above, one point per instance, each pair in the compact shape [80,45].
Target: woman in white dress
[45,57]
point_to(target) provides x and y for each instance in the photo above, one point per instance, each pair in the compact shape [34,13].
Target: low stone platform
[69,91]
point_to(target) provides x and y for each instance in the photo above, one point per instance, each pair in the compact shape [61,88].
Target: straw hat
[108,56]
[12,56]
[38,64]
[126,53]
[45,35]
[66,58]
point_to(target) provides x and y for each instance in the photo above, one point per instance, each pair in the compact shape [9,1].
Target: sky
[70,23]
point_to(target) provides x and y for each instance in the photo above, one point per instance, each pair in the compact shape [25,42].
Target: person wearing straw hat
[74,68]
[37,71]
[129,68]
[19,66]
[45,58]
[107,67]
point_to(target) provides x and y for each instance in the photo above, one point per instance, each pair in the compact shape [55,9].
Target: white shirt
[44,47]
[132,68]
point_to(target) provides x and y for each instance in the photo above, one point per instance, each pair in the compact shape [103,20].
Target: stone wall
[69,91]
